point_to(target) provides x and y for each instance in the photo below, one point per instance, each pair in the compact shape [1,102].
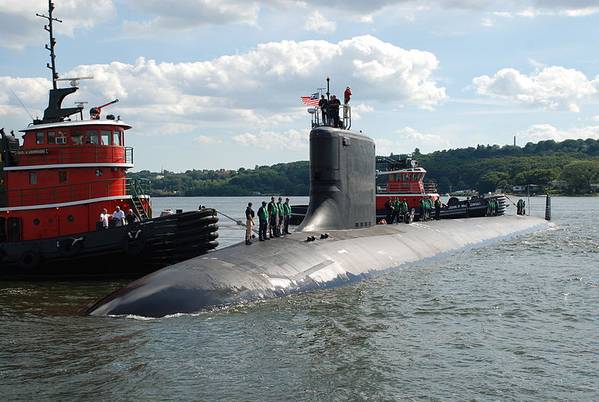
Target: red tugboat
[399,177]
[55,185]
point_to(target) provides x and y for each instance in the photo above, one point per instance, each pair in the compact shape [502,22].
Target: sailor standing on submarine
[249,223]
[272,218]
[262,221]
[280,216]
[286,216]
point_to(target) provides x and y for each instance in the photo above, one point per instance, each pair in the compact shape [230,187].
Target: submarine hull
[284,266]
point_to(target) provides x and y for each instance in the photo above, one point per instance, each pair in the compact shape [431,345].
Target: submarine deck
[290,264]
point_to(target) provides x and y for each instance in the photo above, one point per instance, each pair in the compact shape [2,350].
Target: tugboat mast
[49,28]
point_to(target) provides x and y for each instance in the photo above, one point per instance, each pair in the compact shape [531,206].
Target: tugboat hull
[119,251]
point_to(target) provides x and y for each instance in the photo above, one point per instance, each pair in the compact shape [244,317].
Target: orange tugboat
[56,183]
[399,177]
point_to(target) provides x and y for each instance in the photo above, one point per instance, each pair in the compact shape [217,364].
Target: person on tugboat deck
[130,218]
[249,223]
[104,218]
[118,216]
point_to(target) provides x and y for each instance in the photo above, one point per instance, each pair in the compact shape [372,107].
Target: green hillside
[569,167]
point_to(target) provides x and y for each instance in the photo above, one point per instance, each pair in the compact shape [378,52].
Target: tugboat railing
[430,187]
[408,188]
[75,154]
[138,187]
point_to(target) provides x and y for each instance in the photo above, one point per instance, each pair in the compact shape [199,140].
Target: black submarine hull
[289,265]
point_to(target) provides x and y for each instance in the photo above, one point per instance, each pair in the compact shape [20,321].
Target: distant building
[529,188]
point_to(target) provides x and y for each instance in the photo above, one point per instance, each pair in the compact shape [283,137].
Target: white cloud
[357,111]
[316,22]
[260,87]
[553,88]
[187,14]
[20,27]
[33,92]
[406,139]
[503,14]
[540,132]
[487,22]
[292,140]
[203,139]
[154,17]
[277,73]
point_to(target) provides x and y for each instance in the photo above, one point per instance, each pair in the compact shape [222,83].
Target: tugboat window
[93,137]
[32,178]
[116,138]
[40,138]
[36,221]
[51,137]
[71,218]
[62,176]
[99,172]
[105,136]
[77,138]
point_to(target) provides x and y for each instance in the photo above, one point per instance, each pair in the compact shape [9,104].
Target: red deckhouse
[63,175]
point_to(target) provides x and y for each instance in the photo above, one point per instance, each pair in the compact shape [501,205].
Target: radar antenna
[49,28]
[74,82]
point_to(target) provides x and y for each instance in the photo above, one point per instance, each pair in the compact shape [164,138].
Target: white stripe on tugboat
[68,204]
[75,123]
[69,165]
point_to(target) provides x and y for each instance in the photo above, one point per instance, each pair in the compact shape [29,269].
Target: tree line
[568,167]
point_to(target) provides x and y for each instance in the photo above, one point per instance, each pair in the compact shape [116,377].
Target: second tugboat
[56,184]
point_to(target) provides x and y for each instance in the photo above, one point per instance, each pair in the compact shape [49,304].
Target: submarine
[339,242]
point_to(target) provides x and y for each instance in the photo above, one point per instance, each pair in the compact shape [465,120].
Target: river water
[518,320]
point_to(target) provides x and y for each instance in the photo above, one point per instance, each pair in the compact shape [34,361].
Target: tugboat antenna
[49,28]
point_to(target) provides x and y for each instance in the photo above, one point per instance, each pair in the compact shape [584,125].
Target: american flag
[311,100]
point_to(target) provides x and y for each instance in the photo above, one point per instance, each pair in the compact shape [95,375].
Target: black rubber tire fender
[29,260]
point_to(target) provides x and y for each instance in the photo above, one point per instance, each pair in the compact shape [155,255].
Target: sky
[209,84]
